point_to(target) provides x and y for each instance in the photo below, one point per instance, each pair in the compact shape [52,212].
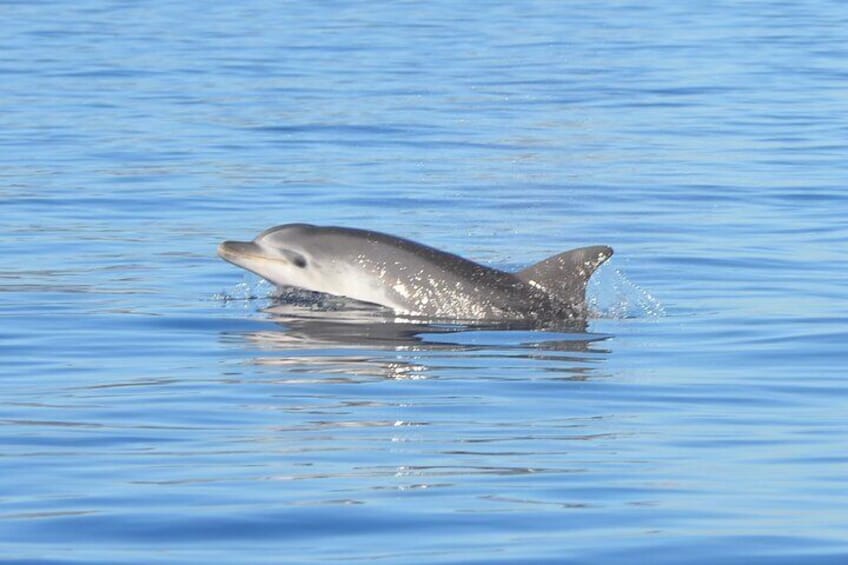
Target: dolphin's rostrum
[414,279]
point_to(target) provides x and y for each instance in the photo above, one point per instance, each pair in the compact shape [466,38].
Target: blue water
[157,407]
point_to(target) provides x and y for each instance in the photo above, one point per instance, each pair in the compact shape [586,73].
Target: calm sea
[156,406]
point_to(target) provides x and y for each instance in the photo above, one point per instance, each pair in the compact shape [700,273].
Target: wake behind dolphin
[414,279]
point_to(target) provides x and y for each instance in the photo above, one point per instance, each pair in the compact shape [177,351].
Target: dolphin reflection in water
[327,339]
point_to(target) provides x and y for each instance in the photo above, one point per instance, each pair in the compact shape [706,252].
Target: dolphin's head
[332,260]
[280,255]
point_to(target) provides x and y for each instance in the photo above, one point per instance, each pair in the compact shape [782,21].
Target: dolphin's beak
[232,251]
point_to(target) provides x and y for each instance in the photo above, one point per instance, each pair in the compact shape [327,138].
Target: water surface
[157,406]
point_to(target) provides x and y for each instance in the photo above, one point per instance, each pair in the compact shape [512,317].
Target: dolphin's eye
[294,258]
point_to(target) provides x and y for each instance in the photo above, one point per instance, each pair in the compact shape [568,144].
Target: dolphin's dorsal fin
[564,276]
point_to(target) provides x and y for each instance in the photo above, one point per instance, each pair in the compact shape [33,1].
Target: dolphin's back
[430,282]
[390,246]
[433,282]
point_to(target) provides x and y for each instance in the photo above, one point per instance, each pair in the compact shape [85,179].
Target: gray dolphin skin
[414,279]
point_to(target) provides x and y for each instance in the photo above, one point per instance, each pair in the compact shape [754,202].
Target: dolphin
[414,279]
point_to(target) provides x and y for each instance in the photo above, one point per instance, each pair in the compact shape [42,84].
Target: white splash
[612,295]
